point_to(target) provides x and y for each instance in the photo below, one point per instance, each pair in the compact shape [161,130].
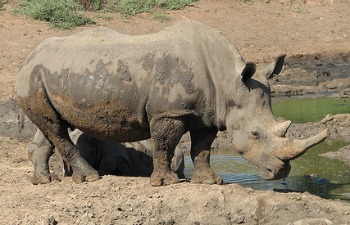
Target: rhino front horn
[298,147]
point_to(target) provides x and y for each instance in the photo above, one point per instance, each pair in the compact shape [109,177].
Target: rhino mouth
[276,173]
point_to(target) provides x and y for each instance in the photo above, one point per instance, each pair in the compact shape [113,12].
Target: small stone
[313,221]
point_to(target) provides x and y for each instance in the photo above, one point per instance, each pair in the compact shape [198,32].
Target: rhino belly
[104,120]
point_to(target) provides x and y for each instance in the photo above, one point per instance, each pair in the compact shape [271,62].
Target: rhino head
[253,129]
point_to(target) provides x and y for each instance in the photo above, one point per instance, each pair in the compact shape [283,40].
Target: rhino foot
[164,178]
[82,171]
[44,178]
[39,178]
[206,177]
[79,178]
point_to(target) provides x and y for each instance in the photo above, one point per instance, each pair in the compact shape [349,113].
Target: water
[303,110]
[327,178]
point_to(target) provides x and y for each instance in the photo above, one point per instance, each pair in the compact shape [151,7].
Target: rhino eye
[254,134]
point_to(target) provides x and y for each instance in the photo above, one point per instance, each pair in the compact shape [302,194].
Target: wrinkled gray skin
[107,157]
[125,88]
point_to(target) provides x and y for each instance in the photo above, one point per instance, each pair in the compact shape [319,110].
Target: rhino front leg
[165,134]
[40,151]
[201,141]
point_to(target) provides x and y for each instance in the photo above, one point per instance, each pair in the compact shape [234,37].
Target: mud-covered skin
[117,87]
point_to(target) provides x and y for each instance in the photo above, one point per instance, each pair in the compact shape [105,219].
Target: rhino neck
[223,64]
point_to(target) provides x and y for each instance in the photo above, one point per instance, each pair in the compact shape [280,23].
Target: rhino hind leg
[200,153]
[39,110]
[165,134]
[40,151]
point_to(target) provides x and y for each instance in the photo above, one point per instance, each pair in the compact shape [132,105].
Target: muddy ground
[315,36]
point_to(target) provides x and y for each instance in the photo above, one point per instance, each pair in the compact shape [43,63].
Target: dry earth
[315,36]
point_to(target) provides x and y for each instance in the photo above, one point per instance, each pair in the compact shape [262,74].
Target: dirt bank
[314,35]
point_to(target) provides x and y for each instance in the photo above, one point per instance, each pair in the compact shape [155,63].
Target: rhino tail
[21,118]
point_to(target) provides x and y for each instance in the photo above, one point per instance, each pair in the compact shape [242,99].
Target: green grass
[163,18]
[104,16]
[62,14]
[133,7]
[301,10]
[92,5]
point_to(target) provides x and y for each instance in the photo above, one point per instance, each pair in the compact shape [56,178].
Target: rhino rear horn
[274,68]
[248,71]
[280,129]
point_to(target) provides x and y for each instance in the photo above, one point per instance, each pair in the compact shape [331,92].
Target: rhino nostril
[254,135]
[269,169]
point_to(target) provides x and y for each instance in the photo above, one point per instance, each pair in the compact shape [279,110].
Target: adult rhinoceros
[188,77]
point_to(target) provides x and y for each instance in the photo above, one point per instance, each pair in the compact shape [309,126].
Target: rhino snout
[271,172]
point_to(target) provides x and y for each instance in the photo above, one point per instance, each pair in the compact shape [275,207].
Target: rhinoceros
[107,157]
[186,78]
[124,159]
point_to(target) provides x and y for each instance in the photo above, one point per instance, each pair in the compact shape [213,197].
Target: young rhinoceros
[125,88]
[107,157]
[124,159]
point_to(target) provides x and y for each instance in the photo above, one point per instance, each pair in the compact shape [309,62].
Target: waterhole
[327,178]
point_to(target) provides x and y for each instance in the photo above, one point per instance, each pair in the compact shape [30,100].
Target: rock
[314,221]
[342,154]
[51,221]
[326,119]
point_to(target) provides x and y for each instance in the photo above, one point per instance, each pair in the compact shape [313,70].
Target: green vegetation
[161,17]
[301,10]
[2,3]
[92,5]
[303,110]
[104,16]
[62,14]
[133,7]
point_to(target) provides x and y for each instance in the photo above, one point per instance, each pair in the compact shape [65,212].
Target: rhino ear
[248,71]
[274,68]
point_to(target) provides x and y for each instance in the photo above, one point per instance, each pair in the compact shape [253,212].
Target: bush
[62,14]
[133,7]
[92,5]
[173,4]
[2,3]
